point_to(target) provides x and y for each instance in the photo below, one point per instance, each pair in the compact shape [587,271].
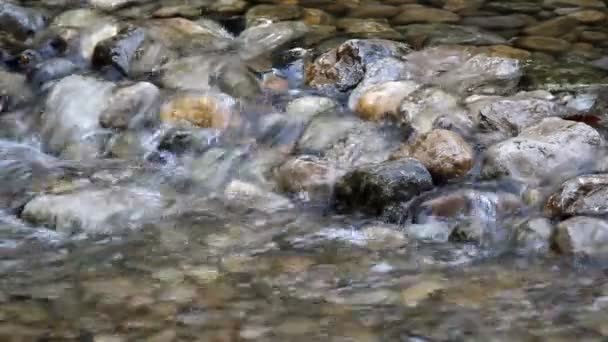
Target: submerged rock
[206,110]
[582,195]
[309,177]
[119,51]
[131,106]
[553,149]
[20,21]
[534,235]
[583,236]
[373,189]
[383,100]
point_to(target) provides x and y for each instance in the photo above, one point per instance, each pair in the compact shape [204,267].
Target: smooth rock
[206,110]
[588,16]
[438,34]
[383,100]
[131,106]
[424,15]
[264,39]
[582,236]
[309,177]
[543,44]
[266,14]
[500,22]
[20,21]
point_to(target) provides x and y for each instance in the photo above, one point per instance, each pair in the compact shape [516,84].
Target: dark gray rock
[375,188]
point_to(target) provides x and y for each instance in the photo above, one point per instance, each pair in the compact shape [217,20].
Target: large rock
[131,106]
[264,39]
[20,21]
[308,177]
[583,236]
[383,100]
[375,188]
[444,153]
[553,149]
[582,195]
[70,124]
[205,110]
[342,68]
[555,27]
[534,235]
[94,211]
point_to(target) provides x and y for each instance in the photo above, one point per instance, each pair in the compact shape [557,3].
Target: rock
[131,106]
[50,70]
[499,22]
[582,195]
[445,34]
[94,211]
[264,39]
[474,215]
[342,68]
[245,195]
[462,5]
[118,51]
[505,51]
[110,5]
[315,16]
[424,15]
[368,28]
[375,188]
[552,28]
[373,11]
[78,18]
[421,108]
[514,7]
[512,114]
[543,44]
[266,14]
[553,149]
[383,100]
[309,177]
[483,75]
[205,110]
[20,21]
[444,153]
[561,76]
[582,236]
[593,36]
[588,16]
[534,235]
[70,124]
[575,3]
[13,90]
[92,35]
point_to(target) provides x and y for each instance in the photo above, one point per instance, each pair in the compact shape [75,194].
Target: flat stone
[553,27]
[588,16]
[575,3]
[424,15]
[499,22]
[543,44]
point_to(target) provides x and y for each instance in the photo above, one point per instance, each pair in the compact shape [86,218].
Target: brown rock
[424,15]
[444,153]
[308,176]
[202,110]
[575,3]
[313,16]
[543,44]
[373,11]
[588,16]
[552,28]
[383,100]
[462,5]
[505,51]
[593,36]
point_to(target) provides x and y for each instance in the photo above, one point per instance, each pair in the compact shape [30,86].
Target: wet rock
[560,76]
[20,21]
[78,18]
[93,211]
[582,195]
[373,11]
[575,3]
[420,109]
[444,153]
[588,16]
[514,7]
[383,100]
[375,188]
[309,177]
[543,44]
[264,39]
[552,28]
[366,28]
[315,16]
[131,106]
[447,34]
[70,124]
[202,110]
[412,15]
[265,14]
[13,90]
[474,215]
[499,22]
[109,5]
[50,70]
[583,236]
[342,68]
[553,149]
[462,5]
[483,75]
[249,196]
[119,50]
[534,235]
[512,114]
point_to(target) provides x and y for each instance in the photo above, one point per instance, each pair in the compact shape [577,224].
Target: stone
[131,106]
[444,153]
[553,27]
[424,15]
[93,211]
[373,11]
[266,14]
[315,16]
[588,16]
[309,177]
[262,40]
[528,7]
[421,108]
[50,70]
[534,235]
[240,194]
[583,195]
[14,90]
[499,22]
[70,124]
[505,51]
[119,50]
[582,235]
[575,3]
[209,110]
[341,69]
[375,188]
[437,34]
[368,28]
[543,44]
[20,21]
[561,76]
[593,36]
[551,150]
[462,5]
[92,35]
[383,100]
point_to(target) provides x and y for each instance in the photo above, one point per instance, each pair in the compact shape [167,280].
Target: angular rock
[444,153]
[582,235]
[553,149]
[582,195]
[375,188]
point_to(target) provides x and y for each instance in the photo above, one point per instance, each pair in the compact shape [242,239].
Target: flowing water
[137,230]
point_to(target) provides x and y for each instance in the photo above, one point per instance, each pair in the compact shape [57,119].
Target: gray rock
[50,70]
[264,39]
[310,178]
[70,124]
[583,236]
[20,21]
[375,188]
[551,150]
[13,90]
[534,235]
[131,106]
[94,211]
[499,22]
[266,14]
[446,34]
[582,195]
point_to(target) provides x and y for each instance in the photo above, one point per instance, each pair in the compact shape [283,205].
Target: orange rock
[205,111]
